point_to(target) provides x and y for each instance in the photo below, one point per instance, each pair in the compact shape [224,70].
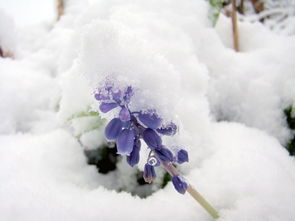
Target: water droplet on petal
[153,161]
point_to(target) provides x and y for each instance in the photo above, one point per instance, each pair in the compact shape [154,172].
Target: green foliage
[86,121]
[290,117]
[215,8]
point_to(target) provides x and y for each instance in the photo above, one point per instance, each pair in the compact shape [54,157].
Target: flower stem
[235,26]
[200,199]
[192,191]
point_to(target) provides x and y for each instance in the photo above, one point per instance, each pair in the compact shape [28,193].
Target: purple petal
[150,120]
[128,94]
[106,107]
[182,156]
[179,184]
[125,142]
[100,96]
[113,129]
[152,139]
[164,154]
[149,173]
[117,96]
[169,130]
[124,114]
[133,158]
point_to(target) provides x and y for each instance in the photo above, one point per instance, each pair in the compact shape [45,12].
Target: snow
[228,105]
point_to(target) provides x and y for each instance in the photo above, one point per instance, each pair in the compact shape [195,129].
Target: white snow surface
[228,105]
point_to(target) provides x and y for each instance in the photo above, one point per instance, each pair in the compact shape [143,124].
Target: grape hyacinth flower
[132,126]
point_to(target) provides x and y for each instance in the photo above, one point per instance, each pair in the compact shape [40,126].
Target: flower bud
[164,154]
[133,158]
[125,142]
[124,114]
[182,156]
[179,184]
[168,130]
[152,139]
[106,107]
[149,173]
[100,97]
[113,129]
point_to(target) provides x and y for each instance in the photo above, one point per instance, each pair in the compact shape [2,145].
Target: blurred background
[30,11]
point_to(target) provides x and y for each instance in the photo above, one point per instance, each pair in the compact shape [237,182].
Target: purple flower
[101,97]
[169,130]
[106,107]
[128,128]
[152,139]
[150,120]
[124,114]
[125,142]
[133,158]
[179,184]
[117,96]
[164,154]
[113,129]
[128,94]
[149,173]
[182,156]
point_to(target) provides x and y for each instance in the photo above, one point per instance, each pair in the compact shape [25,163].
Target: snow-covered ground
[229,107]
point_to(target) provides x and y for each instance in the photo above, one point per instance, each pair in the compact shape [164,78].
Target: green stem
[200,199]
[192,191]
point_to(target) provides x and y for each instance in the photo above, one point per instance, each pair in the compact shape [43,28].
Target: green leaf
[86,121]
[214,11]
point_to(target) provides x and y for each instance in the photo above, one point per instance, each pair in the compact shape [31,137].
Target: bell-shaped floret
[124,114]
[125,142]
[152,139]
[179,184]
[106,107]
[133,158]
[149,173]
[150,120]
[113,129]
[164,154]
[169,130]
[182,156]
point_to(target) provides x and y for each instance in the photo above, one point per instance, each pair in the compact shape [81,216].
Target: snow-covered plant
[131,127]
[277,15]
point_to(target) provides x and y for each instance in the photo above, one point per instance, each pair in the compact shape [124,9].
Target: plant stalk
[192,191]
[235,26]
